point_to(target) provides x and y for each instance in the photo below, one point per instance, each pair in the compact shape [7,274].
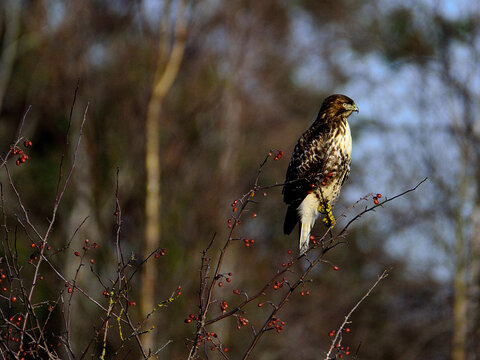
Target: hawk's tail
[308,211]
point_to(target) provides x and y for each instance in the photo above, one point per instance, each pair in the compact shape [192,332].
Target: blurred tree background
[251,77]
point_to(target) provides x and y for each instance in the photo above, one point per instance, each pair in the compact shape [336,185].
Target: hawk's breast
[337,165]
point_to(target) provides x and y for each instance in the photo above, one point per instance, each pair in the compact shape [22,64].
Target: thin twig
[340,329]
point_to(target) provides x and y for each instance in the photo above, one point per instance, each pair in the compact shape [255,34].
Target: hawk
[319,166]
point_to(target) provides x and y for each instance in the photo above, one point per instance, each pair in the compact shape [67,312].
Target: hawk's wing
[305,168]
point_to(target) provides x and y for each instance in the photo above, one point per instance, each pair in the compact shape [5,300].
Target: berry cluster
[223,306]
[304,292]
[16,151]
[376,197]
[162,252]
[248,242]
[276,324]
[213,338]
[85,248]
[207,337]
[241,321]
[16,319]
[234,205]
[2,277]
[343,350]
[190,318]
[278,155]
[279,284]
[228,278]
[33,256]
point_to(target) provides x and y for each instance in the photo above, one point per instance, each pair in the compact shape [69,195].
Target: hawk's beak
[352,107]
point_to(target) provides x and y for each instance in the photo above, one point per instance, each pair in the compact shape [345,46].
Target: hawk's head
[338,105]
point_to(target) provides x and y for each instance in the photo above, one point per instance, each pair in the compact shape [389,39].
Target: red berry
[32,245]
[336,268]
[220,284]
[17,162]
[70,290]
[77,253]
[188,321]
[375,201]
[379,195]
[92,261]
[14,298]
[236,291]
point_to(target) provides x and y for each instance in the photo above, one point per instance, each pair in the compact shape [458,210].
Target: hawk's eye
[345,105]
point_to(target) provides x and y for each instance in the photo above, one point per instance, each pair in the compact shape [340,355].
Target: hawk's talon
[329,219]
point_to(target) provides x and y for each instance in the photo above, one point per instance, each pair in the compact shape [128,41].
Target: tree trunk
[163,82]
[460,281]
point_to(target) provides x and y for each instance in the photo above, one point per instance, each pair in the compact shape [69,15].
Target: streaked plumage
[319,166]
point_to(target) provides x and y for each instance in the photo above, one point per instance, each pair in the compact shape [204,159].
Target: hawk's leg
[326,209]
